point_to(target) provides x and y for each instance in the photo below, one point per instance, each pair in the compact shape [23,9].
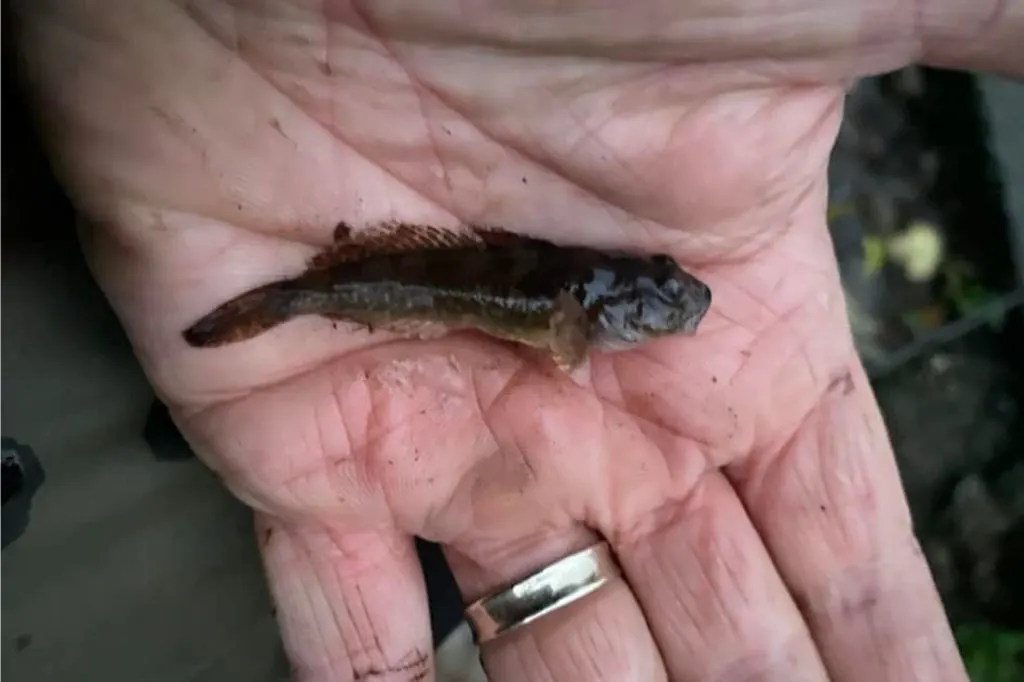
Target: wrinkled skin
[743,476]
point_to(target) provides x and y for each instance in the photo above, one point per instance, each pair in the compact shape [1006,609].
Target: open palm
[742,476]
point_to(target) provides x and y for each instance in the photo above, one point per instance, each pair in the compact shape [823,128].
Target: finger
[706,586]
[602,636]
[351,606]
[832,512]
[710,592]
[524,505]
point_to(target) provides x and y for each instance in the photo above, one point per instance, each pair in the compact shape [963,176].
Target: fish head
[655,300]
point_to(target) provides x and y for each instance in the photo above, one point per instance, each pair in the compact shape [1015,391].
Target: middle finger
[711,594]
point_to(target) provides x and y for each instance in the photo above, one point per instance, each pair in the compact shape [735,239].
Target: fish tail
[245,316]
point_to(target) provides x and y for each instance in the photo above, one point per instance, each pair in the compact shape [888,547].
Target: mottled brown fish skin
[502,284]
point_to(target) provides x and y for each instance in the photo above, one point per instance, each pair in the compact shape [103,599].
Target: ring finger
[601,636]
[509,522]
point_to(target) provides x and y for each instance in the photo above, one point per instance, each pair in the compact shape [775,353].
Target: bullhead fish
[424,282]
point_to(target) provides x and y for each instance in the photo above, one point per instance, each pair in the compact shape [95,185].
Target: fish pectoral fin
[569,337]
[389,239]
[500,237]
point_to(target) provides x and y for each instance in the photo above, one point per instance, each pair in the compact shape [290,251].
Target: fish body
[425,282]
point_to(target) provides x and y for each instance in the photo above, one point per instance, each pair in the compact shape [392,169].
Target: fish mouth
[699,312]
[690,328]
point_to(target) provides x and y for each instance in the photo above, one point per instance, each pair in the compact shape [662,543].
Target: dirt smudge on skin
[276,125]
[842,383]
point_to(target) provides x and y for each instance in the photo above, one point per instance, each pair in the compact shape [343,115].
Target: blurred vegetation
[992,655]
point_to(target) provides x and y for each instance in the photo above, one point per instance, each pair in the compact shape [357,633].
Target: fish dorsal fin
[497,236]
[389,239]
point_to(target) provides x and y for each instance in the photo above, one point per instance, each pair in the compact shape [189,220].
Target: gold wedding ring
[557,585]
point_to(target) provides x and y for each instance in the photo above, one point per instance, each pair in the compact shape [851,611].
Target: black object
[1002,102]
[442,591]
[163,436]
[22,477]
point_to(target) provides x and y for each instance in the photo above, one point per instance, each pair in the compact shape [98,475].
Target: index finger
[830,507]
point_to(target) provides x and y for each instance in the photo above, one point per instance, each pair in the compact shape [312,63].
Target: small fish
[424,282]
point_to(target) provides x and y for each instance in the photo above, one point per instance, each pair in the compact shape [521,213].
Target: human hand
[743,476]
